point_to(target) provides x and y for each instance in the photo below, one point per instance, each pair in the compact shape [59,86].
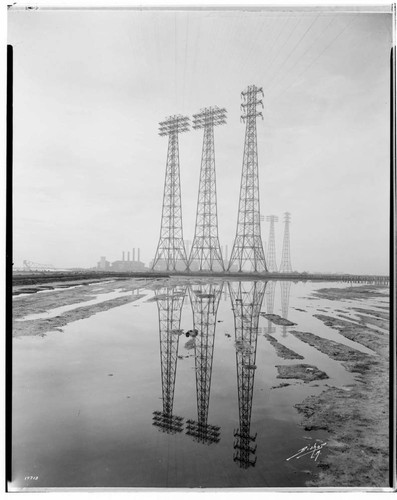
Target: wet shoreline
[356,417]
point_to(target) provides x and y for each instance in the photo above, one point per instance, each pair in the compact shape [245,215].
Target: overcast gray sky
[90,88]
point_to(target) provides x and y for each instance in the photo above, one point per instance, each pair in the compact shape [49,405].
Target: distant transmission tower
[206,249]
[205,302]
[171,248]
[248,247]
[246,305]
[285,266]
[169,304]
[271,249]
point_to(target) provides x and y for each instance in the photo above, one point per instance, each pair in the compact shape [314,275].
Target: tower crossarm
[212,116]
[175,124]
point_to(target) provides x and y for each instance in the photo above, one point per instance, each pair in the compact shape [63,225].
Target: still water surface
[125,399]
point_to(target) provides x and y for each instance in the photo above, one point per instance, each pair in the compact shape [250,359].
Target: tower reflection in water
[246,299]
[285,292]
[169,304]
[270,291]
[205,301]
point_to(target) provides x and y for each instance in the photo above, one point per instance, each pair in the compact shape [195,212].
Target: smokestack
[123,256]
[133,254]
[128,256]
[139,255]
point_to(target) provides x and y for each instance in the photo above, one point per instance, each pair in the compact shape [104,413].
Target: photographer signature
[314,451]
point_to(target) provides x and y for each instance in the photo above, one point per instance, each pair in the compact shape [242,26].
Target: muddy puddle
[123,397]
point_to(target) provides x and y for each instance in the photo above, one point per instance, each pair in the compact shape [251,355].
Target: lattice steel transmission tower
[206,249]
[169,304]
[271,248]
[246,305]
[171,247]
[248,247]
[285,287]
[270,291]
[285,266]
[205,302]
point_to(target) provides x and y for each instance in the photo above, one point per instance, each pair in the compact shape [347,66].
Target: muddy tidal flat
[199,382]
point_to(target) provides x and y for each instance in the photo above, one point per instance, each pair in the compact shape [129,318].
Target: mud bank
[79,296]
[281,350]
[356,416]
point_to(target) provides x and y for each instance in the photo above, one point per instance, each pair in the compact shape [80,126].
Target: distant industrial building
[125,264]
[103,264]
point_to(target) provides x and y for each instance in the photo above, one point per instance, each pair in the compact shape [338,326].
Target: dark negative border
[8,271]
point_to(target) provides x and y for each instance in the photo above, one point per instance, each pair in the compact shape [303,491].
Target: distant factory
[125,264]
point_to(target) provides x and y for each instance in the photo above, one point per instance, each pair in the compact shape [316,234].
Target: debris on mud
[190,344]
[280,386]
[177,332]
[281,350]
[250,367]
[304,372]
[244,347]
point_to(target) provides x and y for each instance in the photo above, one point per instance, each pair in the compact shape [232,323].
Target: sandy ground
[356,417]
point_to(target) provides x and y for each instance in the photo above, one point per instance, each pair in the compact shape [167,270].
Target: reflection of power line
[205,302]
[285,291]
[270,291]
[169,304]
[246,298]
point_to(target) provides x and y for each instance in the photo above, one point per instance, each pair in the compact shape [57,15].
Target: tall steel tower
[205,302]
[171,248]
[169,304]
[206,249]
[271,249]
[246,305]
[248,247]
[285,266]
